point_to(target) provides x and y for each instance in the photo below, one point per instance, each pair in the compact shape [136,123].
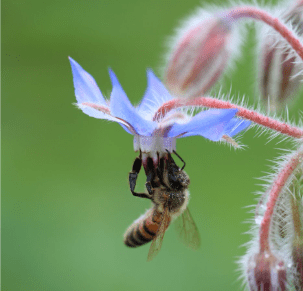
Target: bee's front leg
[151,181]
[133,175]
[148,184]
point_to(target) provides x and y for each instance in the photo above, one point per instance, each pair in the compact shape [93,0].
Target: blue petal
[93,112]
[86,89]
[121,107]
[235,126]
[209,124]
[155,95]
[98,114]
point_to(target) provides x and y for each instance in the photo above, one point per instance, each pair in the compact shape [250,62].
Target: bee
[167,188]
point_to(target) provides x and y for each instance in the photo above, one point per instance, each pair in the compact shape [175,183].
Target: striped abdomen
[144,229]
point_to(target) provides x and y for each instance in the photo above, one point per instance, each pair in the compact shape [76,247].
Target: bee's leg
[172,160]
[148,185]
[160,171]
[172,166]
[133,175]
[180,159]
[150,175]
[172,171]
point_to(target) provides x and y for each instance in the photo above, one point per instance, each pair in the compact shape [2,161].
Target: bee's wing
[187,230]
[157,241]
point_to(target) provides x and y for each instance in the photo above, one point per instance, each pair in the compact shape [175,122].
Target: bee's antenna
[180,159]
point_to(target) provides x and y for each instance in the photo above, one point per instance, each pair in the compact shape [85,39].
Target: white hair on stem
[282,223]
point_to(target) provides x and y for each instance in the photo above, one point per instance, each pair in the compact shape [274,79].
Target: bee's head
[177,177]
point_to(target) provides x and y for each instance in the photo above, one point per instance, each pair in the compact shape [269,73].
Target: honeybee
[167,187]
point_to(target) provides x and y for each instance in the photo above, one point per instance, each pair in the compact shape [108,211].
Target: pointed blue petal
[93,112]
[209,124]
[126,129]
[121,107]
[235,126]
[98,114]
[86,89]
[155,95]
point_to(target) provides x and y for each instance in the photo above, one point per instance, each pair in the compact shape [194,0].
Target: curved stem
[274,193]
[243,112]
[275,23]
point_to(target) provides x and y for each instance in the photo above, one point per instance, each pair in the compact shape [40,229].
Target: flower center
[154,144]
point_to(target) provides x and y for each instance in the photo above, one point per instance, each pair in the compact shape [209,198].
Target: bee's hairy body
[169,191]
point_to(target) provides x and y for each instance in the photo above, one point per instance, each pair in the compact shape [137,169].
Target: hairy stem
[242,112]
[275,23]
[274,193]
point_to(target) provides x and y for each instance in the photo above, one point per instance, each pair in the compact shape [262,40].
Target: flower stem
[243,112]
[274,193]
[275,23]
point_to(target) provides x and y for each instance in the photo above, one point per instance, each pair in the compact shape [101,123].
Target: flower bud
[296,187]
[295,16]
[199,57]
[281,71]
[266,272]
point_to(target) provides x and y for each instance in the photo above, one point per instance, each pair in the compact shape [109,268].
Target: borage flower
[153,135]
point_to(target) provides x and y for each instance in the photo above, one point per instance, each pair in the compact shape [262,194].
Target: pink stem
[274,193]
[243,112]
[275,23]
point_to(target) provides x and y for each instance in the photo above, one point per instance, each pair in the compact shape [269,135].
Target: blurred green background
[65,194]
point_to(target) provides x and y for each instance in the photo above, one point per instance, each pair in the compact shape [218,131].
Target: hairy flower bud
[281,71]
[295,16]
[274,260]
[199,57]
[266,272]
[296,189]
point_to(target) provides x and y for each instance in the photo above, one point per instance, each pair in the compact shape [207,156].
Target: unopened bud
[295,16]
[266,272]
[199,57]
[281,71]
[297,222]
[295,187]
